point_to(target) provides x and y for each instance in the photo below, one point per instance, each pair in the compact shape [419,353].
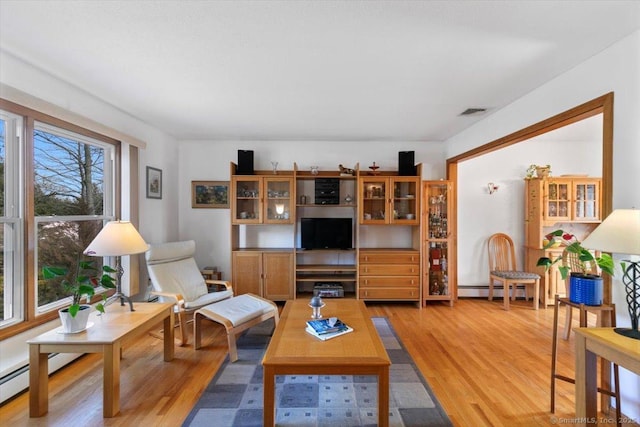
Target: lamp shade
[619,233]
[117,238]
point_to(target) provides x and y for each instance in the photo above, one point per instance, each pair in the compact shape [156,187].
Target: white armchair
[176,278]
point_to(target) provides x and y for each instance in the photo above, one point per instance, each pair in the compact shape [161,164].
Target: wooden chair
[502,268]
[175,277]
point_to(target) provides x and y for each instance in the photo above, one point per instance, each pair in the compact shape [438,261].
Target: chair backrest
[502,256]
[572,260]
[173,269]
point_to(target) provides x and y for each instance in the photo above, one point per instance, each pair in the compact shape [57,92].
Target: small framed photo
[154,183]
[209,194]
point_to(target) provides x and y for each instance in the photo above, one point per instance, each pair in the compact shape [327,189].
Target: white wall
[210,160]
[503,211]
[615,69]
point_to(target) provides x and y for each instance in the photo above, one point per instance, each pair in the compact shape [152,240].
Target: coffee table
[294,351]
[107,334]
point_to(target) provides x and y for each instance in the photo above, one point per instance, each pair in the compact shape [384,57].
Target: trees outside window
[57,189]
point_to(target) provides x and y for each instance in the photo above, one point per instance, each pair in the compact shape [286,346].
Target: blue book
[326,326]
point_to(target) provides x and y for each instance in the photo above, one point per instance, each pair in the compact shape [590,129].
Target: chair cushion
[240,309]
[207,299]
[515,275]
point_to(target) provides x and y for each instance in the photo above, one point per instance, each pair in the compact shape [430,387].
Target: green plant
[573,245]
[83,282]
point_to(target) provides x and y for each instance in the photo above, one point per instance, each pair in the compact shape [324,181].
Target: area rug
[234,396]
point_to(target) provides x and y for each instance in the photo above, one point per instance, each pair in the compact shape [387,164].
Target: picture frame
[210,194]
[154,183]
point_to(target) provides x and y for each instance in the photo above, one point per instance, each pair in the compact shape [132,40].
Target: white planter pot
[74,324]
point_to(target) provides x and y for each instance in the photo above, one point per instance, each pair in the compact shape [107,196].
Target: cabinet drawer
[390,257]
[389,294]
[390,269]
[390,282]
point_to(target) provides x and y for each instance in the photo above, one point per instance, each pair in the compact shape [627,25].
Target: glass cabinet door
[405,206]
[438,240]
[277,206]
[438,274]
[557,205]
[586,201]
[246,201]
[374,201]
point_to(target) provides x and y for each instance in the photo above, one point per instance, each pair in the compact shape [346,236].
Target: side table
[603,320]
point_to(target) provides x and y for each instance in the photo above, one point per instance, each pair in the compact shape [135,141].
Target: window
[11,225]
[57,190]
[72,199]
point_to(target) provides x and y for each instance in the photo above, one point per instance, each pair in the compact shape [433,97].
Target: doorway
[602,106]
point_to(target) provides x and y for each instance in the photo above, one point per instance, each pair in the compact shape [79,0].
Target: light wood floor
[487,367]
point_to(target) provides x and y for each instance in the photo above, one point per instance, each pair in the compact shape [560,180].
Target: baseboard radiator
[17,381]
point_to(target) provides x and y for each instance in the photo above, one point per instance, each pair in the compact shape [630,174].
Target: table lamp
[117,238]
[620,233]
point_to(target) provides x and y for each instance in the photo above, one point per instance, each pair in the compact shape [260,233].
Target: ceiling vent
[471,111]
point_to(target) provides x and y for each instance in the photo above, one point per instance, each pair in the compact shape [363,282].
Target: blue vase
[585,289]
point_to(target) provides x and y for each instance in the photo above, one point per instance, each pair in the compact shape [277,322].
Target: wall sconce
[492,187]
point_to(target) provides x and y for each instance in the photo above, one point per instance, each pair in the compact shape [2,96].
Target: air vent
[470,111]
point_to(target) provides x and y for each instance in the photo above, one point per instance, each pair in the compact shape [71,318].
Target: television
[326,233]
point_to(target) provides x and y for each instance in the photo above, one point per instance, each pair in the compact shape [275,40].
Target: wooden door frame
[601,105]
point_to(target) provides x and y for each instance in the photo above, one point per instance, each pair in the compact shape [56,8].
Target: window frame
[31,317]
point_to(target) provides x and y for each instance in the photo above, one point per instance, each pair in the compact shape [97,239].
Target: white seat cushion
[207,299]
[238,310]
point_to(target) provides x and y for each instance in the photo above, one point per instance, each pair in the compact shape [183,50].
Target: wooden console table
[604,342]
[107,335]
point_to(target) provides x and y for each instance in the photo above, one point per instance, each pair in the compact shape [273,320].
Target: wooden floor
[487,367]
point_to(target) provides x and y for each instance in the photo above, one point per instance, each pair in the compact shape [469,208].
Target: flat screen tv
[326,233]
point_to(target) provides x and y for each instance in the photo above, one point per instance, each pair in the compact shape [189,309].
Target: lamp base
[628,332]
[122,297]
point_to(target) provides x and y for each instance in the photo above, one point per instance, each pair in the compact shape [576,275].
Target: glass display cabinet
[439,244]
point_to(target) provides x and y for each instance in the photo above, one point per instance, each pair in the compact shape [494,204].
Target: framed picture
[209,194]
[154,183]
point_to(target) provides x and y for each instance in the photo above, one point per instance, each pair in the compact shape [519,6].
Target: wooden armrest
[179,299]
[224,283]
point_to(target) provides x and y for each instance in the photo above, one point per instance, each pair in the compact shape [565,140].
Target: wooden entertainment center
[393,239]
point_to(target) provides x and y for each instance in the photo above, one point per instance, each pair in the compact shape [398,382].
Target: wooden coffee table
[294,351]
[107,335]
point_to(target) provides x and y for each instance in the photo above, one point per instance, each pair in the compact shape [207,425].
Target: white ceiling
[310,70]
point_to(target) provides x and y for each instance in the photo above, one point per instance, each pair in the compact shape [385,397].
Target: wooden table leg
[169,345]
[383,397]
[586,383]
[268,383]
[38,381]
[111,385]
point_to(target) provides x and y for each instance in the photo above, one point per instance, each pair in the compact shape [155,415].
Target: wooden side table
[603,320]
[211,274]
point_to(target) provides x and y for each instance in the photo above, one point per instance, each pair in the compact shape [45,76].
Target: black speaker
[245,162]
[407,163]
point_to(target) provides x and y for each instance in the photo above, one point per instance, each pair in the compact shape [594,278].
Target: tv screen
[326,233]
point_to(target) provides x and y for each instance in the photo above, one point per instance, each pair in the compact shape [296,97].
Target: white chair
[176,278]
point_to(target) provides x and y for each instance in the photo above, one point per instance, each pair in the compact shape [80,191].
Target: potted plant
[81,285]
[584,286]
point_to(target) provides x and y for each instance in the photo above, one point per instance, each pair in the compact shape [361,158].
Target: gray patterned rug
[234,397]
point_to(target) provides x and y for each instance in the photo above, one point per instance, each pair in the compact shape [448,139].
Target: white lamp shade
[619,233]
[117,238]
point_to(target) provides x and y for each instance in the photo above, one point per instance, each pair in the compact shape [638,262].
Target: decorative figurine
[314,170]
[316,304]
[374,169]
[346,171]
